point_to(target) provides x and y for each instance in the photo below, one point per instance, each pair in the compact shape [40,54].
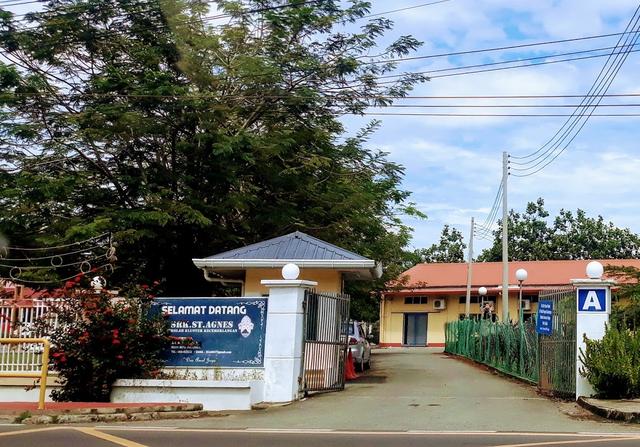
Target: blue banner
[215,332]
[544,323]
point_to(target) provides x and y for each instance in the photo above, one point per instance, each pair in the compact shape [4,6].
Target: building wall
[328,280]
[393,309]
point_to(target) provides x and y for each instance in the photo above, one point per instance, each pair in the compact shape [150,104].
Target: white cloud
[453,165]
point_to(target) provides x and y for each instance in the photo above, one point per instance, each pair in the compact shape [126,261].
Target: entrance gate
[558,350]
[326,329]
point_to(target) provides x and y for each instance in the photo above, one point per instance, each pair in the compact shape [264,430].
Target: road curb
[609,413]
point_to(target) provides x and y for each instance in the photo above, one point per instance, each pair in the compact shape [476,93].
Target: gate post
[593,307]
[284,337]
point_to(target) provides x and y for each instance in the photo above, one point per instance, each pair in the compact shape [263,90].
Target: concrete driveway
[422,389]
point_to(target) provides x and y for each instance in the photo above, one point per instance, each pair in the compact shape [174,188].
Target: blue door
[415,329]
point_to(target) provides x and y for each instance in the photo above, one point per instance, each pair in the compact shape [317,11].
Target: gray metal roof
[292,246]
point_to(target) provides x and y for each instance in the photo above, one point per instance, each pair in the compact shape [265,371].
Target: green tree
[187,137]
[529,236]
[450,248]
[625,313]
[571,236]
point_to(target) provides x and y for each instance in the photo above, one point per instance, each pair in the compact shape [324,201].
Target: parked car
[359,346]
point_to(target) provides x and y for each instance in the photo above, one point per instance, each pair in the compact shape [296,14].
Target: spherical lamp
[482,291]
[521,275]
[290,271]
[595,270]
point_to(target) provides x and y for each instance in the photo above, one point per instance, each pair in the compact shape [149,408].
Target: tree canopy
[570,236]
[450,248]
[185,136]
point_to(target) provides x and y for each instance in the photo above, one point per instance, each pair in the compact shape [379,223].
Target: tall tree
[450,248]
[186,137]
[626,308]
[571,236]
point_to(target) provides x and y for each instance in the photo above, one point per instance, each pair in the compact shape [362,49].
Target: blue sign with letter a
[592,300]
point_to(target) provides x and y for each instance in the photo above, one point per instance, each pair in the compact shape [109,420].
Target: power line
[493,106]
[462,73]
[487,64]
[487,225]
[21,3]
[449,54]
[589,104]
[509,47]
[404,9]
[497,69]
[506,115]
[260,10]
[210,96]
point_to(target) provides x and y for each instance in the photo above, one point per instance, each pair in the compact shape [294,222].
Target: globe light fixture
[290,271]
[482,291]
[521,275]
[595,270]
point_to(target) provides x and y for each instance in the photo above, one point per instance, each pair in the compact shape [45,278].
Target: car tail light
[353,341]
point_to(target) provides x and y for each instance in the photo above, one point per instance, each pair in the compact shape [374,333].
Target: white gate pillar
[593,301]
[284,336]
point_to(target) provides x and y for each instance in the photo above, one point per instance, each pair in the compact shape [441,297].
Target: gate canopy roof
[298,248]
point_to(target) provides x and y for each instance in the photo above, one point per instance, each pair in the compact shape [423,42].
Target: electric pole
[467,304]
[505,239]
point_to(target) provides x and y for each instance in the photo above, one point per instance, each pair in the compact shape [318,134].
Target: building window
[532,298]
[415,300]
[475,299]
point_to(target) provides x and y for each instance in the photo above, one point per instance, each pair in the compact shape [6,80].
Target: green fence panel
[510,348]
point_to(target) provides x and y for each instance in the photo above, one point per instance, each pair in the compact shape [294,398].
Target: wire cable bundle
[534,162]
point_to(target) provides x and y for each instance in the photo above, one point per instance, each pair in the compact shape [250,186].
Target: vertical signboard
[544,321]
[215,332]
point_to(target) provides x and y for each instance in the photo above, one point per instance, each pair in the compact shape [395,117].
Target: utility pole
[505,239]
[467,304]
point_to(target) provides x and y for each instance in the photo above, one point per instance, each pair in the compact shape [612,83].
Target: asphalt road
[66,436]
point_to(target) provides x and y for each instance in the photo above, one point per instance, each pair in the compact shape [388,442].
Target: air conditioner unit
[526,304]
[439,304]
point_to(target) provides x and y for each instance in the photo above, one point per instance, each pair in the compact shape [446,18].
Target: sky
[454,164]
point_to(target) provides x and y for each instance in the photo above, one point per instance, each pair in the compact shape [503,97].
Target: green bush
[100,339]
[612,365]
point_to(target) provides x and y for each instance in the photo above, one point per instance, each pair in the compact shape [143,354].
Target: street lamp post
[482,291]
[521,276]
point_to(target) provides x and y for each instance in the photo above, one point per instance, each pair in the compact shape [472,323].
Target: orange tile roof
[452,277]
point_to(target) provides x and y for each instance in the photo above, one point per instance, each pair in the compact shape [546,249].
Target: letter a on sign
[592,300]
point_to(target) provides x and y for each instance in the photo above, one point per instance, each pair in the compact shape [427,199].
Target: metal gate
[326,329]
[558,350]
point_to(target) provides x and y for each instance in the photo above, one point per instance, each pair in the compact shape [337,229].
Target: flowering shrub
[101,338]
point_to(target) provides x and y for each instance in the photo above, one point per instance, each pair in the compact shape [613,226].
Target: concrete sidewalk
[422,389]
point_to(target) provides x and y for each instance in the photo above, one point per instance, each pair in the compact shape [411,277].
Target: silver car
[359,346]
